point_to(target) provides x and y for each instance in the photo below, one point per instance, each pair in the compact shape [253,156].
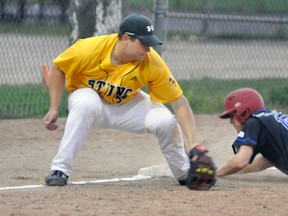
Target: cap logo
[150,28]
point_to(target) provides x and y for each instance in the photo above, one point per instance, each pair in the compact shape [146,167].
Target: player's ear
[125,37]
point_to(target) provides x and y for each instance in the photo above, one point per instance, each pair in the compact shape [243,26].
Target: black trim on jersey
[103,70]
[128,73]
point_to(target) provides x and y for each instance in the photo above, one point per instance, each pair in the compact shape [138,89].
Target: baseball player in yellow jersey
[104,76]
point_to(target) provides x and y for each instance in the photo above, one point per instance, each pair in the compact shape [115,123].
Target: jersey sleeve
[248,136]
[162,86]
[70,60]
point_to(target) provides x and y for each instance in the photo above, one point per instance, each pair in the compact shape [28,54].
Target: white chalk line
[133,178]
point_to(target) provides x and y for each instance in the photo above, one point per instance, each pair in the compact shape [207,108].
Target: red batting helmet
[243,101]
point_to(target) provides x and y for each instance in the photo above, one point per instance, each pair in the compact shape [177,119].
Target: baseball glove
[202,170]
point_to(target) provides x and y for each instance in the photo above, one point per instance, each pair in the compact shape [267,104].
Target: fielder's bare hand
[50,119]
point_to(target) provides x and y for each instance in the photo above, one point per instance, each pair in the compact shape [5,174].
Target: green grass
[27,101]
[206,96]
[41,28]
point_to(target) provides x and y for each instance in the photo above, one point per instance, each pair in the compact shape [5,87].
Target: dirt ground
[26,150]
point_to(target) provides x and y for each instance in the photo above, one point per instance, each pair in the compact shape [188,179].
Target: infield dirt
[26,150]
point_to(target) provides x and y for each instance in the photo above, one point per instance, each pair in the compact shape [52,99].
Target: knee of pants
[85,102]
[161,121]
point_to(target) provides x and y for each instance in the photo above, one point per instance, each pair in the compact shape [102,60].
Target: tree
[94,17]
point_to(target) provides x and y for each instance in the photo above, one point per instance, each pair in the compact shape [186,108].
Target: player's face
[236,124]
[136,50]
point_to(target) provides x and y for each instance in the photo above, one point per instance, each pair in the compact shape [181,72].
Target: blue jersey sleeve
[248,136]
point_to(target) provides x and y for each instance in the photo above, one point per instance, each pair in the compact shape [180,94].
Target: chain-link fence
[206,39]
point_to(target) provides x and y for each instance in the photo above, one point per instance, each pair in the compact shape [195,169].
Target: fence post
[40,14]
[21,10]
[2,9]
[205,22]
[160,13]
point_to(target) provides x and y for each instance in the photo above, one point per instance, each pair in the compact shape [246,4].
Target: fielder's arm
[56,84]
[186,120]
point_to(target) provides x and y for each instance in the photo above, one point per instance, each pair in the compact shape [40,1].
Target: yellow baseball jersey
[87,63]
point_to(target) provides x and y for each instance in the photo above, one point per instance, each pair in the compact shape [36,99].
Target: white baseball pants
[140,115]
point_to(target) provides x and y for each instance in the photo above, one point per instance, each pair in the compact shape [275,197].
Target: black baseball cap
[140,27]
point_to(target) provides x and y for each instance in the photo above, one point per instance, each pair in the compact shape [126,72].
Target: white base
[160,170]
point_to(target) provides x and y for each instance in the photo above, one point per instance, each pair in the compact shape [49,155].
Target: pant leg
[164,125]
[84,107]
[141,115]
